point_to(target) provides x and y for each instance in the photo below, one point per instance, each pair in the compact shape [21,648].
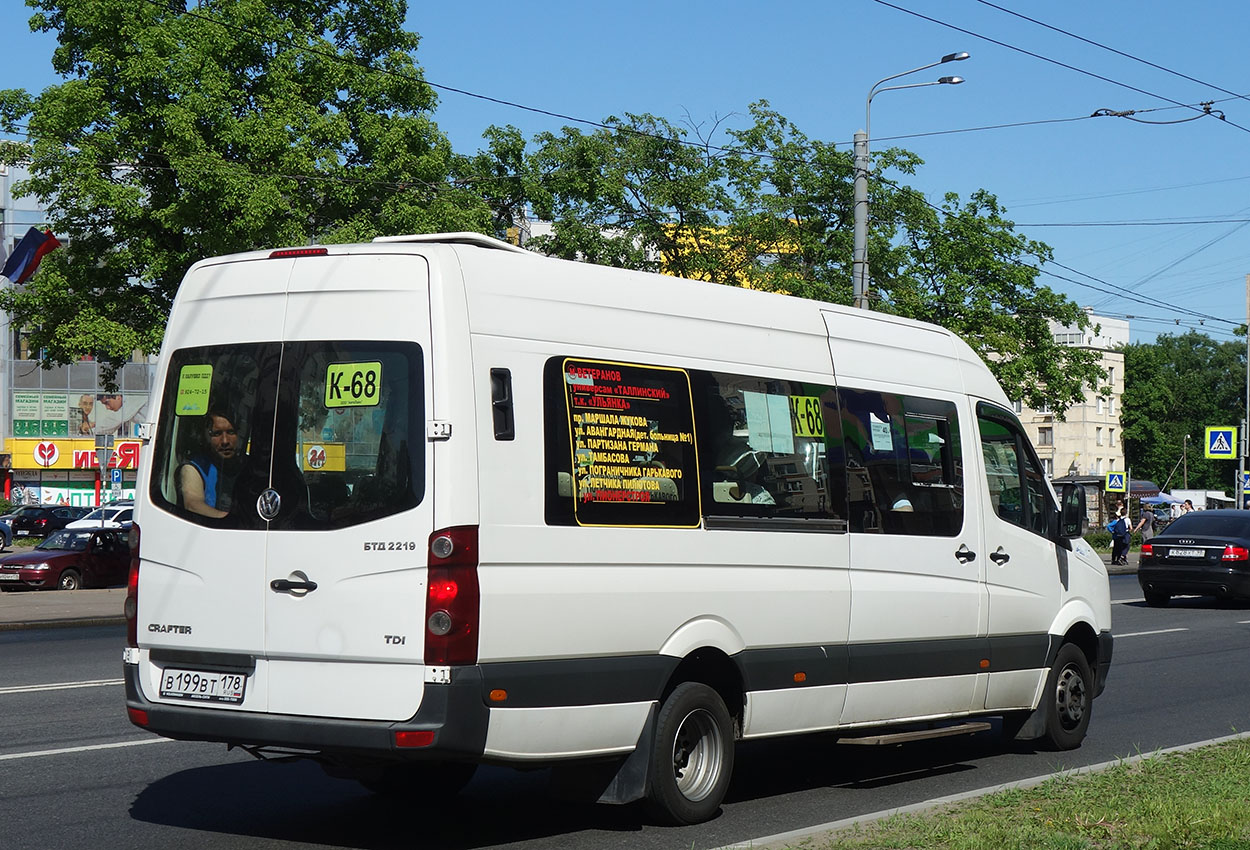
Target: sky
[1149,221]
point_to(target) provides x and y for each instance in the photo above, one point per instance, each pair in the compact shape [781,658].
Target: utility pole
[1185,463]
[1245,438]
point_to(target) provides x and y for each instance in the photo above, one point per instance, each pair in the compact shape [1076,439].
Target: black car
[1204,552]
[40,520]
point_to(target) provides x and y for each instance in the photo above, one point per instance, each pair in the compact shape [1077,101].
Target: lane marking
[1154,632]
[60,686]
[85,749]
[1127,601]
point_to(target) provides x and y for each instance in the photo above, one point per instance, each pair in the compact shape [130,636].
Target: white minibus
[432,502]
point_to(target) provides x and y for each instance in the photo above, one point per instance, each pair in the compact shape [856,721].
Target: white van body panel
[808,626]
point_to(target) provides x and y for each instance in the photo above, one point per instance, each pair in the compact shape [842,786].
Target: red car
[68,559]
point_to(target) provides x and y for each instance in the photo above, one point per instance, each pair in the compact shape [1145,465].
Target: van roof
[463,237]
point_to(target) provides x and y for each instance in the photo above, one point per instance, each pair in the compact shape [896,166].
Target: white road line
[87,749]
[1155,632]
[60,686]
[1127,601]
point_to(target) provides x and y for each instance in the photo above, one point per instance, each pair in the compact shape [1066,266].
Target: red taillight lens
[1147,550]
[287,253]
[131,606]
[414,738]
[41,522]
[452,599]
[1235,553]
[137,716]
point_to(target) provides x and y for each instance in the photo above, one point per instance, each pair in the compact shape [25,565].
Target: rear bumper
[1203,579]
[454,712]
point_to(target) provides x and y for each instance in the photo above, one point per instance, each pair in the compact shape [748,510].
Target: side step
[918,734]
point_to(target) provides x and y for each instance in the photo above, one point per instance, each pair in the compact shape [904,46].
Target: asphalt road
[77,774]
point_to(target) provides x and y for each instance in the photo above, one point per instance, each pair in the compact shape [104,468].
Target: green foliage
[182,132]
[1179,385]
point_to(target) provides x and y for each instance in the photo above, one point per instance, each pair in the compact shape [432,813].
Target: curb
[63,624]
[786,839]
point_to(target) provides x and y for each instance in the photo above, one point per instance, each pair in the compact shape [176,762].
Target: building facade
[1087,440]
[50,419]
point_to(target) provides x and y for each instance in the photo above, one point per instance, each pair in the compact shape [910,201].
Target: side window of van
[1017,486]
[620,447]
[769,450]
[904,464]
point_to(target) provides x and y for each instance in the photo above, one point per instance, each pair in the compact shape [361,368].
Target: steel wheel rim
[1071,697]
[69,583]
[698,754]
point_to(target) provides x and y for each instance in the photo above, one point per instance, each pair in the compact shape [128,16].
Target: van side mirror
[1072,518]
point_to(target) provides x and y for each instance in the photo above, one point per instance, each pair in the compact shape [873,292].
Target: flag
[25,258]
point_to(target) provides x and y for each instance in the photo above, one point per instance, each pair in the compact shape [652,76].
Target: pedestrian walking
[1120,536]
[1146,525]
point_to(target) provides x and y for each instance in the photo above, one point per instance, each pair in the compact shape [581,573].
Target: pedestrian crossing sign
[1115,482]
[1245,482]
[1221,443]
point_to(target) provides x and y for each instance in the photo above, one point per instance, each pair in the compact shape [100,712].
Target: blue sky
[815,60]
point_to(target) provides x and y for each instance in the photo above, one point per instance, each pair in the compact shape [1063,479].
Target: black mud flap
[614,782]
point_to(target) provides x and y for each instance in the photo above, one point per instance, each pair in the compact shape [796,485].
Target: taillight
[1235,553]
[41,522]
[1147,550]
[131,606]
[288,253]
[452,600]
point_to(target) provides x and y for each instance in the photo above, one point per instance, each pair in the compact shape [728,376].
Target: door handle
[963,554]
[284,585]
[999,557]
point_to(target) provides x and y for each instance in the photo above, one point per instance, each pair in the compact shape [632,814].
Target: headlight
[43,566]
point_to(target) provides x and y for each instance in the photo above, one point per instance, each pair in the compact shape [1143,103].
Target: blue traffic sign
[1221,443]
[1115,482]
[115,475]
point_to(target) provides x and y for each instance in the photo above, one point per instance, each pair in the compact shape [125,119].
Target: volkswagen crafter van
[436,501]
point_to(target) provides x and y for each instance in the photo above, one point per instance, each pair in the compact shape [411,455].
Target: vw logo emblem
[268,504]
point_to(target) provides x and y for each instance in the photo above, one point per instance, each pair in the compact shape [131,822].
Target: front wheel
[692,758]
[70,580]
[1069,697]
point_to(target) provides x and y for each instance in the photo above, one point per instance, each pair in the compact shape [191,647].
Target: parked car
[68,559]
[110,516]
[1204,552]
[6,531]
[39,520]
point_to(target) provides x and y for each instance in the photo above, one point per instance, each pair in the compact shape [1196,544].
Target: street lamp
[860,256]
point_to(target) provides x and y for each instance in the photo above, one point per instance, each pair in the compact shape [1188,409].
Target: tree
[773,210]
[181,133]
[1179,385]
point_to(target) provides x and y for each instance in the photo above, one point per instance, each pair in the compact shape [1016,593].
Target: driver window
[1016,482]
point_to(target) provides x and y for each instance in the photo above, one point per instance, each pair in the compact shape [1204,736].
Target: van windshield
[334,429]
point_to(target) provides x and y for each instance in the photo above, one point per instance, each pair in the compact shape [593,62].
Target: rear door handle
[999,557]
[963,554]
[284,585]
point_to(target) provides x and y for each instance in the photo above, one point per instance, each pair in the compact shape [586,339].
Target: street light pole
[859,259]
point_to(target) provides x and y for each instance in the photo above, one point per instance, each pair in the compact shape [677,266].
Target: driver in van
[206,480]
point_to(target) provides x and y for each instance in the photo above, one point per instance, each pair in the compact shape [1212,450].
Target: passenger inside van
[206,479]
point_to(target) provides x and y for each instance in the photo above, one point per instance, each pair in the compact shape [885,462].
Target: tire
[69,580]
[1069,698]
[1157,599]
[692,757]
[436,781]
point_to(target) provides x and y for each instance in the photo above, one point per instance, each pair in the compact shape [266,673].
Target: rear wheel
[420,780]
[1156,598]
[70,580]
[692,758]
[1069,697]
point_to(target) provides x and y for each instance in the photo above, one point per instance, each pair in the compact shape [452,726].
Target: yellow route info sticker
[353,384]
[806,417]
[194,382]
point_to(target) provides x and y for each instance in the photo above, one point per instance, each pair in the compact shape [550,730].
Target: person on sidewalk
[1146,525]
[1120,536]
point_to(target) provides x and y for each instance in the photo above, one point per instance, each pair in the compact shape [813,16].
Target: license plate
[1186,553]
[10,577]
[203,686]
[22,532]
